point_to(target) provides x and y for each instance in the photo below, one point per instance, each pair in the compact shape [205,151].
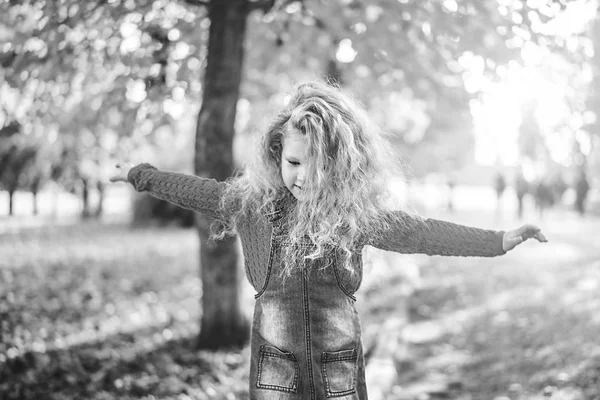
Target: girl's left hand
[121,172]
[515,237]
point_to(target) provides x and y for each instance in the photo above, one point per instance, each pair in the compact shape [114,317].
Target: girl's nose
[300,176]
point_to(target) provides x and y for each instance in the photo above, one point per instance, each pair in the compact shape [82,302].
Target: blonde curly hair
[346,192]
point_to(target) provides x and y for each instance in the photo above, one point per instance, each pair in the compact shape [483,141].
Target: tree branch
[202,3]
[264,5]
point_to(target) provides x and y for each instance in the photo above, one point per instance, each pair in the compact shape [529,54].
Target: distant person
[582,188]
[304,211]
[499,187]
[544,198]
[450,183]
[521,189]
[559,187]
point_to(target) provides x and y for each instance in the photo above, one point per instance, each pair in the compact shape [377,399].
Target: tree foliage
[107,74]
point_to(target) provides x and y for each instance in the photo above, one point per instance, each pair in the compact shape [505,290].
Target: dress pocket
[277,370]
[339,372]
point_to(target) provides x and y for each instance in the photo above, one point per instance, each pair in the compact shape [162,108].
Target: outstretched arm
[412,234]
[192,192]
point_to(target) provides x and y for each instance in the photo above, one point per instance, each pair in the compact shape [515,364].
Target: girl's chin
[296,192]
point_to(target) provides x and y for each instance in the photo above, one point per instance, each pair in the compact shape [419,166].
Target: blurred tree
[96,70]
[99,75]
[15,160]
[592,126]
[421,49]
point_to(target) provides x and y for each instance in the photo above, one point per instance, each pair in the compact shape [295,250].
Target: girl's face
[293,161]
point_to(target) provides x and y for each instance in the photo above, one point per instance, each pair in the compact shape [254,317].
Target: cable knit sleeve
[410,234]
[202,195]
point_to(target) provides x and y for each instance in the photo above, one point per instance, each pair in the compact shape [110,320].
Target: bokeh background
[492,104]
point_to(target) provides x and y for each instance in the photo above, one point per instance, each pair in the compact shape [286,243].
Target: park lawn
[522,326]
[104,311]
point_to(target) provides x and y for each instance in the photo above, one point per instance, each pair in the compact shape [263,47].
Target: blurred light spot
[52,136]
[451,5]
[34,44]
[136,91]
[182,50]
[522,33]
[345,52]
[193,64]
[423,332]
[589,284]
[128,29]
[12,352]
[175,10]
[585,141]
[178,93]
[110,308]
[373,13]
[516,18]
[589,118]
[73,10]
[182,315]
[108,141]
[363,71]
[293,7]
[174,34]
[426,28]
[167,334]
[173,108]
[155,69]
[359,28]
[130,44]
[39,346]
[243,114]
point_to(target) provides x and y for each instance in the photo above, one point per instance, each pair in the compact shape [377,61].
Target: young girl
[315,197]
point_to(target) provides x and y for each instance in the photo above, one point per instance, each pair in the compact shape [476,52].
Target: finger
[541,237]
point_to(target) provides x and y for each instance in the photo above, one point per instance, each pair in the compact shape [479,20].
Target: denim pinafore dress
[306,334]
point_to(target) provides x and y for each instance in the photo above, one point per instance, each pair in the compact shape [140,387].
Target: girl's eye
[294,162]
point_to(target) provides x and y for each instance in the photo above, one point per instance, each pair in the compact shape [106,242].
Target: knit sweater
[406,234]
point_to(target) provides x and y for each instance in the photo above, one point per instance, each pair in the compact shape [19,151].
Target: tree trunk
[35,187]
[54,188]
[11,194]
[223,322]
[85,199]
[35,203]
[100,206]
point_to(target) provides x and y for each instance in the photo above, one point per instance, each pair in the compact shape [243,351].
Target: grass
[522,326]
[103,311]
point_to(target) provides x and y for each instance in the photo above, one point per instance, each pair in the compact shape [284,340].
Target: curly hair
[349,167]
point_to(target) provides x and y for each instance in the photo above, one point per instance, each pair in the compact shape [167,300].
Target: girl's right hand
[121,173]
